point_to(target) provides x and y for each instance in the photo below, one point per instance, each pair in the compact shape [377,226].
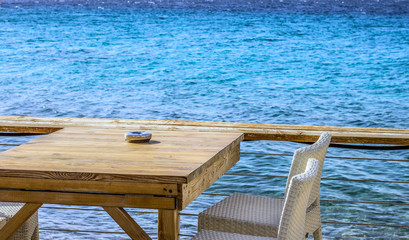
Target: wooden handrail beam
[252,131]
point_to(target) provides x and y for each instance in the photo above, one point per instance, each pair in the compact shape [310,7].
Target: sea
[300,62]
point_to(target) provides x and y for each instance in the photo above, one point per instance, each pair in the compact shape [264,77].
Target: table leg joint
[127,223]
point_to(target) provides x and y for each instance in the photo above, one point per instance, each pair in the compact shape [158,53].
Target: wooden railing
[11,125]
[252,131]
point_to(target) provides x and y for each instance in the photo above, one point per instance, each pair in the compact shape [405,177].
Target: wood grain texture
[127,223]
[252,131]
[103,155]
[168,224]
[89,186]
[19,219]
[194,188]
[88,199]
[95,166]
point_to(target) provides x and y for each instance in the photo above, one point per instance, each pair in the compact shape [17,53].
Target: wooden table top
[104,155]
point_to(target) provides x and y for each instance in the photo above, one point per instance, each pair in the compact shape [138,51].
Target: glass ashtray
[138,137]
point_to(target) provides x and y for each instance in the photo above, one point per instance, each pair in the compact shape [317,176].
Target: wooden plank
[18,220]
[171,159]
[337,137]
[86,176]
[88,199]
[252,131]
[48,155]
[105,151]
[222,154]
[105,160]
[200,183]
[168,224]
[89,186]
[59,122]
[127,223]
[29,129]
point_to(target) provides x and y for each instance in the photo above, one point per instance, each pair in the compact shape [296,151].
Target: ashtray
[138,137]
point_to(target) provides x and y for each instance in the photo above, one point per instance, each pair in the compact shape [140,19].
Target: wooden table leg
[127,223]
[168,224]
[18,220]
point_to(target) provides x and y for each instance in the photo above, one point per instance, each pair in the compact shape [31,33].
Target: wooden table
[97,167]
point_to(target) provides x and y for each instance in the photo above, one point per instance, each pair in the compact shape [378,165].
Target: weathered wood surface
[193,189]
[79,154]
[88,199]
[168,224]
[94,165]
[89,186]
[252,131]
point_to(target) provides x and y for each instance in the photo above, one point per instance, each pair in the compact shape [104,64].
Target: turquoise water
[309,63]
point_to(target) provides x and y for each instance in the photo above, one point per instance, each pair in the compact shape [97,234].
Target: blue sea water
[336,63]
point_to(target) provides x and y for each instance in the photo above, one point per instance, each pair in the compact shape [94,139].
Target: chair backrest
[295,205]
[318,150]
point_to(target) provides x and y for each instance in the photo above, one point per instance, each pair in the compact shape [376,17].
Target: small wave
[312,6]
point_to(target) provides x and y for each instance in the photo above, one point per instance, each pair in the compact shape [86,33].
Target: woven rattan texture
[214,235]
[256,215]
[245,214]
[296,202]
[293,215]
[318,150]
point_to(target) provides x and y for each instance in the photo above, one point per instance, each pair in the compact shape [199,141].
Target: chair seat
[244,214]
[214,235]
[29,230]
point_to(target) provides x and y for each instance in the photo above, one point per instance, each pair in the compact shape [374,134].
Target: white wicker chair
[28,231]
[259,215]
[292,220]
